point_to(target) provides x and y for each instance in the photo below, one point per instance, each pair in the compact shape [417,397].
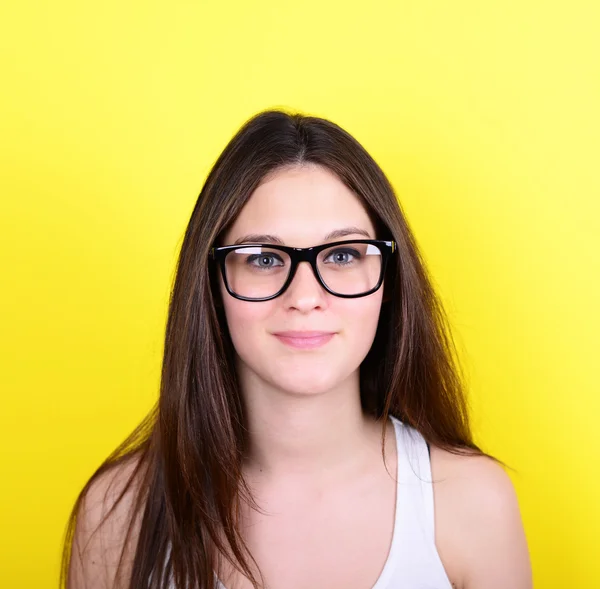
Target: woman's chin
[305,385]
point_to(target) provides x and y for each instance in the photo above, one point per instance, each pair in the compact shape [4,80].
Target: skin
[315,464]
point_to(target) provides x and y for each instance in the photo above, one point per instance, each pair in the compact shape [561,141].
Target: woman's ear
[389,282]
[216,295]
[214,289]
[387,288]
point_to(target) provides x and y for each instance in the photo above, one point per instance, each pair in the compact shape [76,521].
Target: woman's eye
[264,260]
[343,257]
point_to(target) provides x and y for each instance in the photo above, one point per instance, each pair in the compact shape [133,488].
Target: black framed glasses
[260,272]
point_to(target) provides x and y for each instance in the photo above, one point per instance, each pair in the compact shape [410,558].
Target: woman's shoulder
[478,527]
[104,529]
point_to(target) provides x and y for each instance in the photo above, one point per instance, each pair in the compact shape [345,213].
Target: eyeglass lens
[258,271]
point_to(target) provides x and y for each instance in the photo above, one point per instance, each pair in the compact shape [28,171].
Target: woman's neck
[308,436]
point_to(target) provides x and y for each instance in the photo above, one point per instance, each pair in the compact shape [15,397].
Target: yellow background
[485,116]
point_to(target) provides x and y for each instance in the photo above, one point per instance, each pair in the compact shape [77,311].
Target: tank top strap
[414,476]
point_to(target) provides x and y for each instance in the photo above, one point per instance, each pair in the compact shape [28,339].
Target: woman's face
[301,205]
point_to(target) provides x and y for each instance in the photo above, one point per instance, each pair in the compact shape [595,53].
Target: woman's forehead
[302,204]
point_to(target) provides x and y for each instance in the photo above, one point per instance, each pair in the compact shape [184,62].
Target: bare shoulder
[478,527]
[102,522]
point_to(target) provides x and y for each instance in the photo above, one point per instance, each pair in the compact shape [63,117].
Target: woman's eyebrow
[266,238]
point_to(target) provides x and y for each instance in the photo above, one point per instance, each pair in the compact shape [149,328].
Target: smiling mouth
[304,341]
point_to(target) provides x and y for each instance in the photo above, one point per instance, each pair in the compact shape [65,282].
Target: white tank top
[413,561]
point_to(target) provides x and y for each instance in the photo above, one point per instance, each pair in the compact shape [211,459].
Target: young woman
[312,430]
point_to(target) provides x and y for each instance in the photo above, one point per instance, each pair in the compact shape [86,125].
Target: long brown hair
[188,451]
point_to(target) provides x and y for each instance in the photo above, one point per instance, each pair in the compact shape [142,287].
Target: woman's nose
[305,290]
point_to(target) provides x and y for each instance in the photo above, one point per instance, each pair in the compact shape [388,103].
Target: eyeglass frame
[304,254]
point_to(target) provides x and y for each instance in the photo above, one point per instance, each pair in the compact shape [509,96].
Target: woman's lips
[304,340]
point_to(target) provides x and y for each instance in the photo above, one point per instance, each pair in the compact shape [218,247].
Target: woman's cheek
[246,325]
[363,325]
